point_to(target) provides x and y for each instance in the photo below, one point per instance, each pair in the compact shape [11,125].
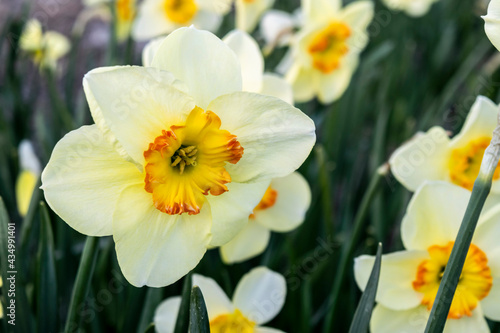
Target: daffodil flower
[160,17]
[28,177]
[414,8]
[282,209]
[178,157]
[434,156]
[326,50]
[45,49]
[410,279]
[258,298]
[492,23]
[248,13]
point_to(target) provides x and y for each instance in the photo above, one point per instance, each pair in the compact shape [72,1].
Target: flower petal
[154,248]
[230,210]
[475,323]
[424,157]
[251,60]
[201,60]
[399,270]
[132,105]
[251,241]
[492,23]
[221,7]
[166,315]
[292,203]
[260,295]
[277,137]
[25,185]
[385,320]
[488,230]
[151,21]
[207,20]
[248,13]
[316,11]
[275,85]
[434,215]
[304,82]
[357,15]
[490,304]
[85,171]
[332,86]
[216,299]
[150,50]
[27,157]
[266,330]
[276,27]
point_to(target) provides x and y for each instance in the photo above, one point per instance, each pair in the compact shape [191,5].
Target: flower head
[248,13]
[178,157]
[258,298]
[28,177]
[492,23]
[410,279]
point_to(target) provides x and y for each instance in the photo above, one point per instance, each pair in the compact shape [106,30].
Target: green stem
[82,284]
[58,104]
[326,194]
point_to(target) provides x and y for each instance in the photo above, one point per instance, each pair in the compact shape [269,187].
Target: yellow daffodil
[178,157]
[257,299]
[27,179]
[282,208]
[413,8]
[410,279]
[327,48]
[492,23]
[248,13]
[160,17]
[45,49]
[434,156]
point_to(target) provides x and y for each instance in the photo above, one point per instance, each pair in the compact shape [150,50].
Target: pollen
[180,11]
[465,163]
[474,285]
[267,201]
[328,47]
[186,163]
[234,322]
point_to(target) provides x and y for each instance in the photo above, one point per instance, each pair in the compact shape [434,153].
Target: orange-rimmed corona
[328,47]
[180,11]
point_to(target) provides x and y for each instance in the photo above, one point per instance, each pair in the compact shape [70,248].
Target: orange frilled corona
[187,162]
[328,46]
[267,201]
[180,11]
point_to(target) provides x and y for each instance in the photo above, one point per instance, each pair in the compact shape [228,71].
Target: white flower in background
[27,179]
[248,13]
[282,209]
[492,23]
[169,141]
[434,156]
[45,49]
[258,298]
[278,27]
[409,279]
[326,50]
[414,8]
[160,17]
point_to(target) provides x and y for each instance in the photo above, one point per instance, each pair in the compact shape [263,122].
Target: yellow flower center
[474,285]
[465,163]
[267,201]
[125,10]
[180,11]
[328,47]
[232,323]
[249,1]
[187,162]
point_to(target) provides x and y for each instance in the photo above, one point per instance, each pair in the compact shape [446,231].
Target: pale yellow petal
[249,13]
[250,242]
[216,299]
[490,304]
[275,85]
[166,315]
[25,185]
[304,81]
[492,23]
[385,320]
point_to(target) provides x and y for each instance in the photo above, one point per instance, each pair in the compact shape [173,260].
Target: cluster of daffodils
[258,298]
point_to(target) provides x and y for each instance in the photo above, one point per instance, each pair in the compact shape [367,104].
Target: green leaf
[198,316]
[154,297]
[361,319]
[182,322]
[46,276]
[4,222]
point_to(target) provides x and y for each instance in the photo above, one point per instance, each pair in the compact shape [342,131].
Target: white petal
[476,323]
[215,298]
[398,271]
[84,178]
[492,23]
[249,243]
[276,137]
[424,157]
[275,85]
[251,60]
[276,27]
[31,37]
[419,8]
[56,45]
[248,13]
[166,315]
[304,81]
[201,60]
[154,248]
[292,203]
[316,11]
[132,105]
[385,320]
[151,21]
[332,86]
[230,210]
[221,7]
[266,330]
[488,230]
[434,215]
[207,20]
[357,15]
[260,295]
[490,305]
[27,157]
[150,50]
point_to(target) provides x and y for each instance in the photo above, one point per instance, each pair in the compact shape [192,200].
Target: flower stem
[451,277]
[82,284]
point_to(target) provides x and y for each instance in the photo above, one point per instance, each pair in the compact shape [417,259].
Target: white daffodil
[326,50]
[160,17]
[169,142]
[492,23]
[248,13]
[434,156]
[251,61]
[45,49]
[282,208]
[410,279]
[27,179]
[414,8]
[258,298]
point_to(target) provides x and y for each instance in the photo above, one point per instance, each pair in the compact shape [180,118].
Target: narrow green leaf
[46,276]
[182,322]
[4,222]
[363,314]
[198,316]
[150,328]
[153,299]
